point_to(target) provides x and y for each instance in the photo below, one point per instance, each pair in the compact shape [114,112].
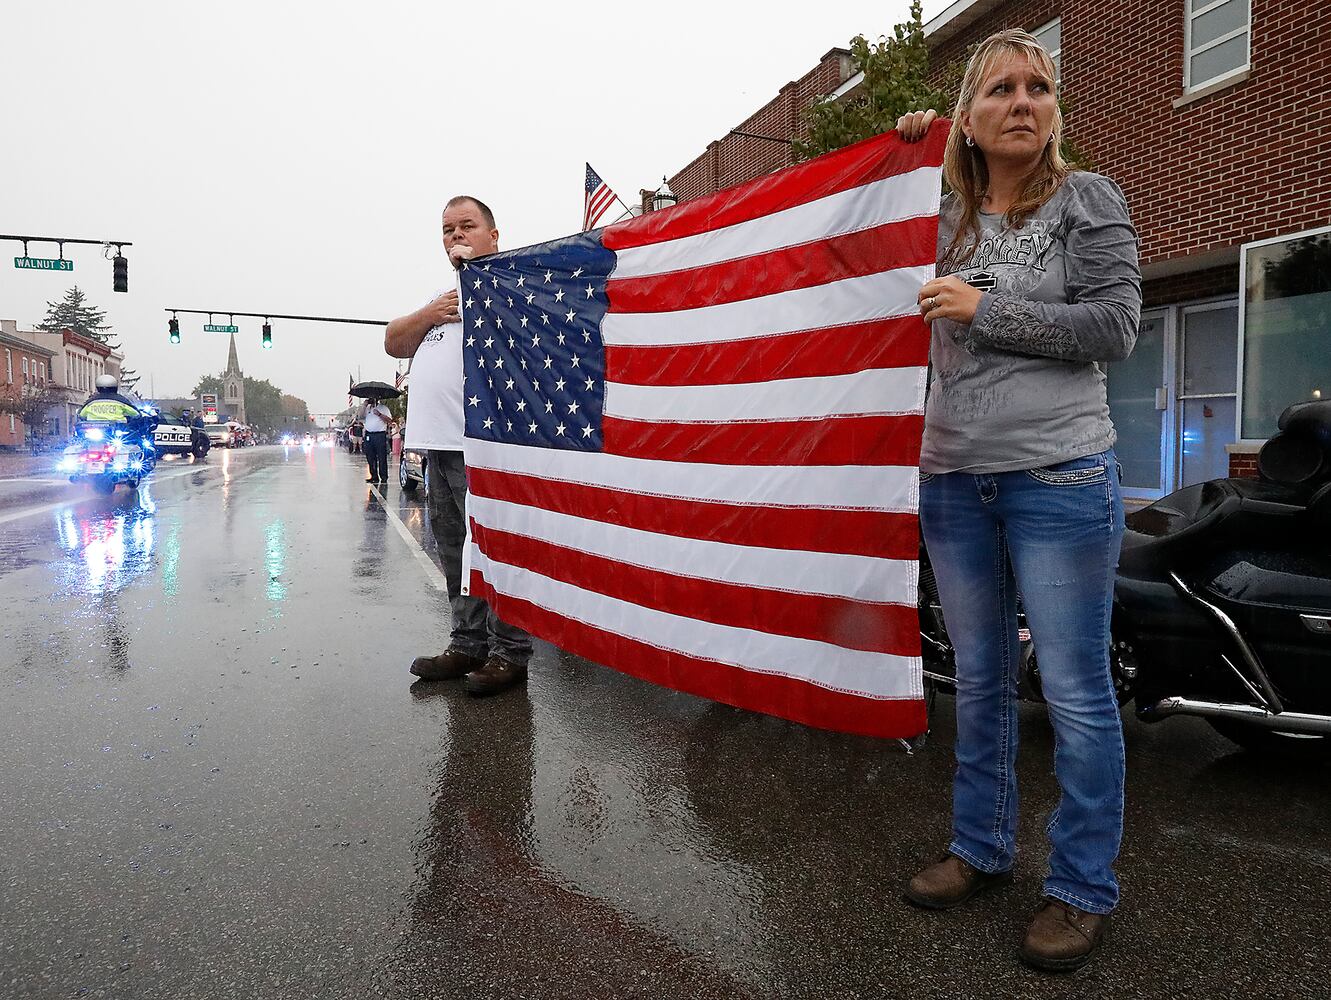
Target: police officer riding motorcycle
[113,439]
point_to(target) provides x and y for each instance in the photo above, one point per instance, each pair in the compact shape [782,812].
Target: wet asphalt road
[218,782]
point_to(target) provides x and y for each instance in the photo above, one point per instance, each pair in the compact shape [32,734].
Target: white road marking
[432,572]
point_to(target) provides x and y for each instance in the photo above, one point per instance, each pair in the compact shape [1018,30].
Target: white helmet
[108,383]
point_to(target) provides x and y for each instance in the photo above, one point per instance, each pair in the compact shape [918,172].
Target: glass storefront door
[1173,400]
[1139,406]
[1207,390]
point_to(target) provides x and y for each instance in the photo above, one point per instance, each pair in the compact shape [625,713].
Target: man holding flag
[486,652]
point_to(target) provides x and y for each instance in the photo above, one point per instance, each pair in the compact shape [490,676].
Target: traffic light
[175,330]
[268,336]
[120,273]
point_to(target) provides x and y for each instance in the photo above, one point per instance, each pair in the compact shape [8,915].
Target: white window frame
[9,366]
[1056,54]
[1243,317]
[1191,11]
[25,370]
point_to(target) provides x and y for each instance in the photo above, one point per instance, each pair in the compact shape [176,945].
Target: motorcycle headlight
[94,434]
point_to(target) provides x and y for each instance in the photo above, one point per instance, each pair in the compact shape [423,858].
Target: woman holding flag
[1037,287]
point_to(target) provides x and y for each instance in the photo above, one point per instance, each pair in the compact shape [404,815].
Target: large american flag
[597,198]
[693,438]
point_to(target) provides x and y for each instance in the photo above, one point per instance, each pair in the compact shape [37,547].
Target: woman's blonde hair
[964,166]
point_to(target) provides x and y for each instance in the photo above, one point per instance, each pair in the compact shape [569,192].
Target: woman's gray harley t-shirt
[1023,386]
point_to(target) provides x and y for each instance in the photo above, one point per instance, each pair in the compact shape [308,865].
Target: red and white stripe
[750,531]
[597,204]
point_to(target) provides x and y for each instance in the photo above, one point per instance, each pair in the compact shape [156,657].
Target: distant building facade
[75,364]
[25,367]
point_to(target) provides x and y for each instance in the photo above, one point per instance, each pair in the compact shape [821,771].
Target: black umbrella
[373,390]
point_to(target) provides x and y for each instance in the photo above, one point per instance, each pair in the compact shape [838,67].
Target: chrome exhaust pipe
[1289,722]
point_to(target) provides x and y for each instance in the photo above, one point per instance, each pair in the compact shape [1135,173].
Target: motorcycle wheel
[1272,742]
[405,481]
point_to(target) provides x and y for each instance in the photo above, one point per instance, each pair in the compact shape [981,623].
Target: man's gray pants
[477,630]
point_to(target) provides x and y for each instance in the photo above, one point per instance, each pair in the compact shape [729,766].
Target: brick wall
[944,57]
[13,354]
[733,159]
[1190,286]
[1242,466]
[1245,163]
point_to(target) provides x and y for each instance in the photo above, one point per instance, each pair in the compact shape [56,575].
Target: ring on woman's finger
[930,302]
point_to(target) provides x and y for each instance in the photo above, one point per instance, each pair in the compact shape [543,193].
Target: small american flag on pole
[598,200]
[693,438]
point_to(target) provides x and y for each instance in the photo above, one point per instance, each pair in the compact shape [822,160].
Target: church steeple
[232,362]
[233,386]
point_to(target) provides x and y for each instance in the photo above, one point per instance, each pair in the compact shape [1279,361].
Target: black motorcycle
[1222,607]
[1223,596]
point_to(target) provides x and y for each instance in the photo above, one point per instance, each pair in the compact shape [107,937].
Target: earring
[1050,140]
[970,141]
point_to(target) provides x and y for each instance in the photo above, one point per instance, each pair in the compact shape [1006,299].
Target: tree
[208,383]
[896,80]
[30,403]
[73,313]
[266,408]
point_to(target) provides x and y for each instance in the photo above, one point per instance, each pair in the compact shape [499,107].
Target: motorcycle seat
[1155,533]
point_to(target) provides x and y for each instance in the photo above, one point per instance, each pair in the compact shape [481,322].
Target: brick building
[25,368]
[1214,116]
[75,362]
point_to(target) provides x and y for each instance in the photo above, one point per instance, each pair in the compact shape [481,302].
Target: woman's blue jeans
[1054,534]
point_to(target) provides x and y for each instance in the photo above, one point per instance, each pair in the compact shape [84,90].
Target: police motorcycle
[113,440]
[1222,605]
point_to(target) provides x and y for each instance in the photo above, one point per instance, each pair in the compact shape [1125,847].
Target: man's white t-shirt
[434,404]
[376,418]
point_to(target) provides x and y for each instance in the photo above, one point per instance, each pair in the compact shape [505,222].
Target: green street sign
[42,264]
[210,328]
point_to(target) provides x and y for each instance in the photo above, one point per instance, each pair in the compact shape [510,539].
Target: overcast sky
[294,157]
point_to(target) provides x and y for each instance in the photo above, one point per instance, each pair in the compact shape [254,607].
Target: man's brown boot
[950,882]
[1062,938]
[447,666]
[496,675]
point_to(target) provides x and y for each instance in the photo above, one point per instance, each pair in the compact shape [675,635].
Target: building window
[9,365]
[25,370]
[1286,327]
[43,367]
[1051,37]
[1217,37]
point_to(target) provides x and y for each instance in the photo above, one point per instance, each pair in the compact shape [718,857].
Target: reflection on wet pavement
[220,783]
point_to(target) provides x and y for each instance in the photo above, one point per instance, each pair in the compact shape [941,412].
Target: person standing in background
[376,440]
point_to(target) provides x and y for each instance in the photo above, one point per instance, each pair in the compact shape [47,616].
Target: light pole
[664,197]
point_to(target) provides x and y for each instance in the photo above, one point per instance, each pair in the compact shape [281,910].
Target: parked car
[175,437]
[412,471]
